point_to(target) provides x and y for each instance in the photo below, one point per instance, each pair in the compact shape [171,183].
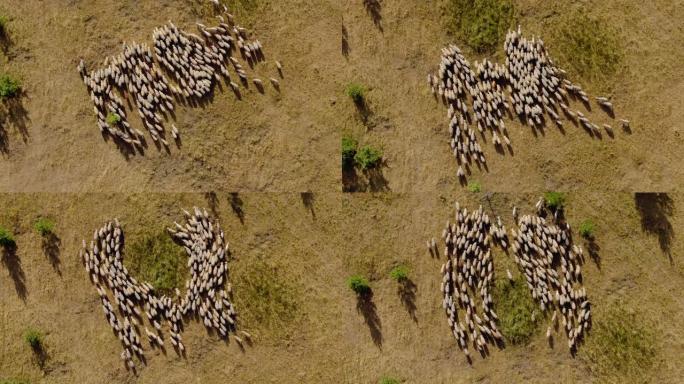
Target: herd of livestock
[194,63]
[536,88]
[207,292]
[545,255]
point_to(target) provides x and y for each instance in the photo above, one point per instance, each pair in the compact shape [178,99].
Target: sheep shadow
[51,248]
[407,293]
[366,306]
[9,257]
[212,202]
[655,210]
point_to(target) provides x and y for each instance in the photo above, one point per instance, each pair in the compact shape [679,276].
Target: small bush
[399,273]
[389,380]
[113,118]
[9,87]
[3,25]
[554,200]
[587,228]
[474,187]
[587,46]
[6,238]
[482,24]
[368,157]
[356,92]
[44,226]
[349,146]
[157,259]
[621,346]
[359,285]
[34,339]
[514,306]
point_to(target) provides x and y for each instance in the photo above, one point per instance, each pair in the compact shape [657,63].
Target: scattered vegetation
[44,226]
[389,380]
[6,238]
[620,346]
[515,307]
[13,381]
[9,87]
[359,285]
[113,118]
[34,339]
[3,25]
[474,186]
[399,273]
[482,24]
[554,200]
[587,228]
[368,158]
[157,259]
[349,146]
[265,299]
[587,46]
[357,92]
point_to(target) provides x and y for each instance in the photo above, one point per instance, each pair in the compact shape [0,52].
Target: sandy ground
[315,247]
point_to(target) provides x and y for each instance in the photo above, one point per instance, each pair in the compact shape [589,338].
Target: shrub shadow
[51,244]
[236,205]
[407,294]
[366,306]
[655,210]
[374,9]
[13,264]
[308,201]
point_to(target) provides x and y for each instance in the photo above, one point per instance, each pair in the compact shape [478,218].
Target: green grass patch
[44,226]
[514,306]
[357,92]
[400,273]
[359,284]
[6,238]
[554,200]
[34,338]
[587,47]
[265,299]
[368,157]
[587,229]
[620,346]
[14,381]
[113,118]
[349,147]
[482,24]
[155,258]
[9,87]
[3,25]
[389,380]
[474,186]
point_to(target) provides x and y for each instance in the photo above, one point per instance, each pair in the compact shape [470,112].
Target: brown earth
[314,244]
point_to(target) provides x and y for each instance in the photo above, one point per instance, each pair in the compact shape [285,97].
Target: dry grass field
[267,167]
[292,257]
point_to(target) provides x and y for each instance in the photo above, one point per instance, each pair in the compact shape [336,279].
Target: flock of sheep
[194,63]
[545,255]
[535,85]
[207,292]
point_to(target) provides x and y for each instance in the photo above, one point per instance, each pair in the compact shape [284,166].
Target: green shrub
[349,146]
[482,24]
[474,186]
[554,200]
[357,92]
[399,273]
[368,157]
[3,25]
[157,259]
[34,339]
[13,381]
[587,46]
[113,118]
[620,346]
[359,284]
[44,226]
[6,238]
[515,306]
[389,380]
[9,87]
[587,228]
